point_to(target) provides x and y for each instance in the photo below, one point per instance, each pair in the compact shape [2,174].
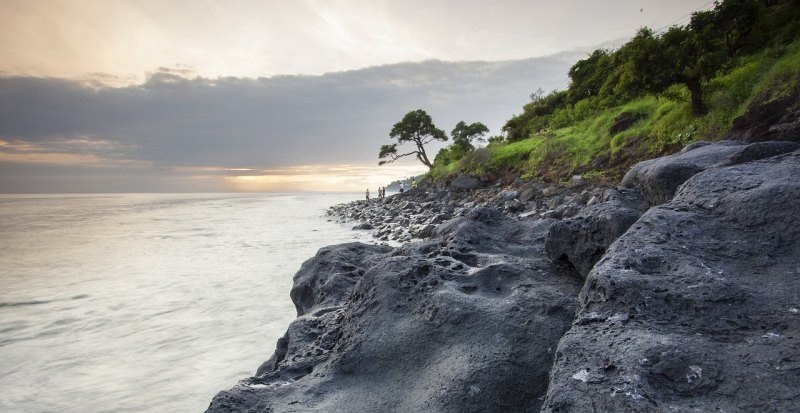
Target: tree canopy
[654,61]
[464,134]
[417,128]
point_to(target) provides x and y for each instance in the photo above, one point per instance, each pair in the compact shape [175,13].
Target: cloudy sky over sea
[174,96]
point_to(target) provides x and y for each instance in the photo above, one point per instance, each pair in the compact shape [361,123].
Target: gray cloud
[173,121]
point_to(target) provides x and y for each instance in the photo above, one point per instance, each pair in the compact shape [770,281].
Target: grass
[581,141]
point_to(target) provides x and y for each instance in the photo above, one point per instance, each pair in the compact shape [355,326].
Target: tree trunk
[422,156]
[696,89]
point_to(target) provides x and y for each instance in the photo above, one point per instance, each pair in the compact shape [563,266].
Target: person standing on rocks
[367,194]
[401,187]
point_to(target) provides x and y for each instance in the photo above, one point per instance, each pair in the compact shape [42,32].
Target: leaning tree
[417,128]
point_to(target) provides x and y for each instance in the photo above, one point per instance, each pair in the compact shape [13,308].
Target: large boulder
[465,322]
[327,279]
[464,182]
[582,240]
[658,179]
[697,306]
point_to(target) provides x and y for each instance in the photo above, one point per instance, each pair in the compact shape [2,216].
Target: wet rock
[692,308]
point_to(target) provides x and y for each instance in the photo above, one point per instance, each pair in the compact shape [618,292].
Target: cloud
[176,119]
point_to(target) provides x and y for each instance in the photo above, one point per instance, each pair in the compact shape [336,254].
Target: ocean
[147,302]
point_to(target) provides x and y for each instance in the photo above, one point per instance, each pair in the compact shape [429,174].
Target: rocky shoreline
[677,291]
[415,214]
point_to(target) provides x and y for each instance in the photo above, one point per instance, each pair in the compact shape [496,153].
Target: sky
[200,95]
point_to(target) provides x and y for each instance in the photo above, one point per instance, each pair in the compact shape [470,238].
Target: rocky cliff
[679,291]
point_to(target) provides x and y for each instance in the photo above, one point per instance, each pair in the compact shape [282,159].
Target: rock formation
[679,291]
[695,308]
[466,322]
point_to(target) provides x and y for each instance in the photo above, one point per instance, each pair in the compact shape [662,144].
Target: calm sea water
[147,303]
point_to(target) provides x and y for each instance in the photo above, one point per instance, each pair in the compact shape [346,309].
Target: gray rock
[527,194]
[550,191]
[467,322]
[507,195]
[464,182]
[577,181]
[514,205]
[568,210]
[658,179]
[426,231]
[327,279]
[582,240]
[695,308]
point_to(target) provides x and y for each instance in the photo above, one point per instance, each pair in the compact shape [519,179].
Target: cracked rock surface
[695,308]
[465,322]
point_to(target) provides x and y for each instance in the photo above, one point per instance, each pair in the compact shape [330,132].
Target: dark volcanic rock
[464,182]
[692,305]
[695,308]
[465,322]
[778,119]
[658,179]
[582,240]
[327,279]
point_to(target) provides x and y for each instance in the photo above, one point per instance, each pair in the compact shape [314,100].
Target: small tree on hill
[464,134]
[417,128]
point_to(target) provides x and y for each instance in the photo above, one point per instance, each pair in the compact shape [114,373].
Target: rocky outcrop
[464,182]
[582,240]
[695,308]
[658,179]
[775,119]
[467,322]
[679,291]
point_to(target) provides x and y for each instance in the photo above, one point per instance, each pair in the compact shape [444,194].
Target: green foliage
[783,77]
[464,134]
[416,127]
[685,84]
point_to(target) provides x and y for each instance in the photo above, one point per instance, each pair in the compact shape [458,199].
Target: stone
[467,322]
[507,195]
[550,191]
[659,179]
[527,194]
[464,182]
[577,181]
[582,240]
[776,119]
[691,309]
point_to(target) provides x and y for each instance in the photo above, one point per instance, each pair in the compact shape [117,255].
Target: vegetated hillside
[732,72]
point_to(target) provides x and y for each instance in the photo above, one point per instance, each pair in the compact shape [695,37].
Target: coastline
[519,296]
